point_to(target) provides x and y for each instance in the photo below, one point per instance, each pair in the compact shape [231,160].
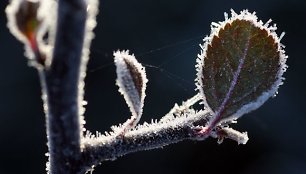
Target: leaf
[27,21]
[240,67]
[131,80]
[23,19]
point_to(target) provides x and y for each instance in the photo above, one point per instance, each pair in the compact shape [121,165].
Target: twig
[61,81]
[144,137]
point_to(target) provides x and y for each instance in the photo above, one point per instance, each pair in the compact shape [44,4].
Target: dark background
[167,33]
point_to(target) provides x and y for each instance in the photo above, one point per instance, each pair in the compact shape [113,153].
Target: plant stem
[61,82]
[144,137]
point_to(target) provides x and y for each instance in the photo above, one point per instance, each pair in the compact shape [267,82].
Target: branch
[144,137]
[62,79]
[182,125]
[61,82]
[62,72]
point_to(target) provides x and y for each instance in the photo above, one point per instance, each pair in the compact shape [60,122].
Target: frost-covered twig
[181,126]
[60,72]
[144,137]
[62,88]
[64,82]
[180,110]
[227,132]
[240,66]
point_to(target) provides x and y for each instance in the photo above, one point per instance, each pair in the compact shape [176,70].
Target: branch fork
[62,73]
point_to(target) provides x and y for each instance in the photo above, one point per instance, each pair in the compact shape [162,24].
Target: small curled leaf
[240,66]
[131,80]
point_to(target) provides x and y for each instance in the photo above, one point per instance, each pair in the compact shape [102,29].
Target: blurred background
[164,35]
